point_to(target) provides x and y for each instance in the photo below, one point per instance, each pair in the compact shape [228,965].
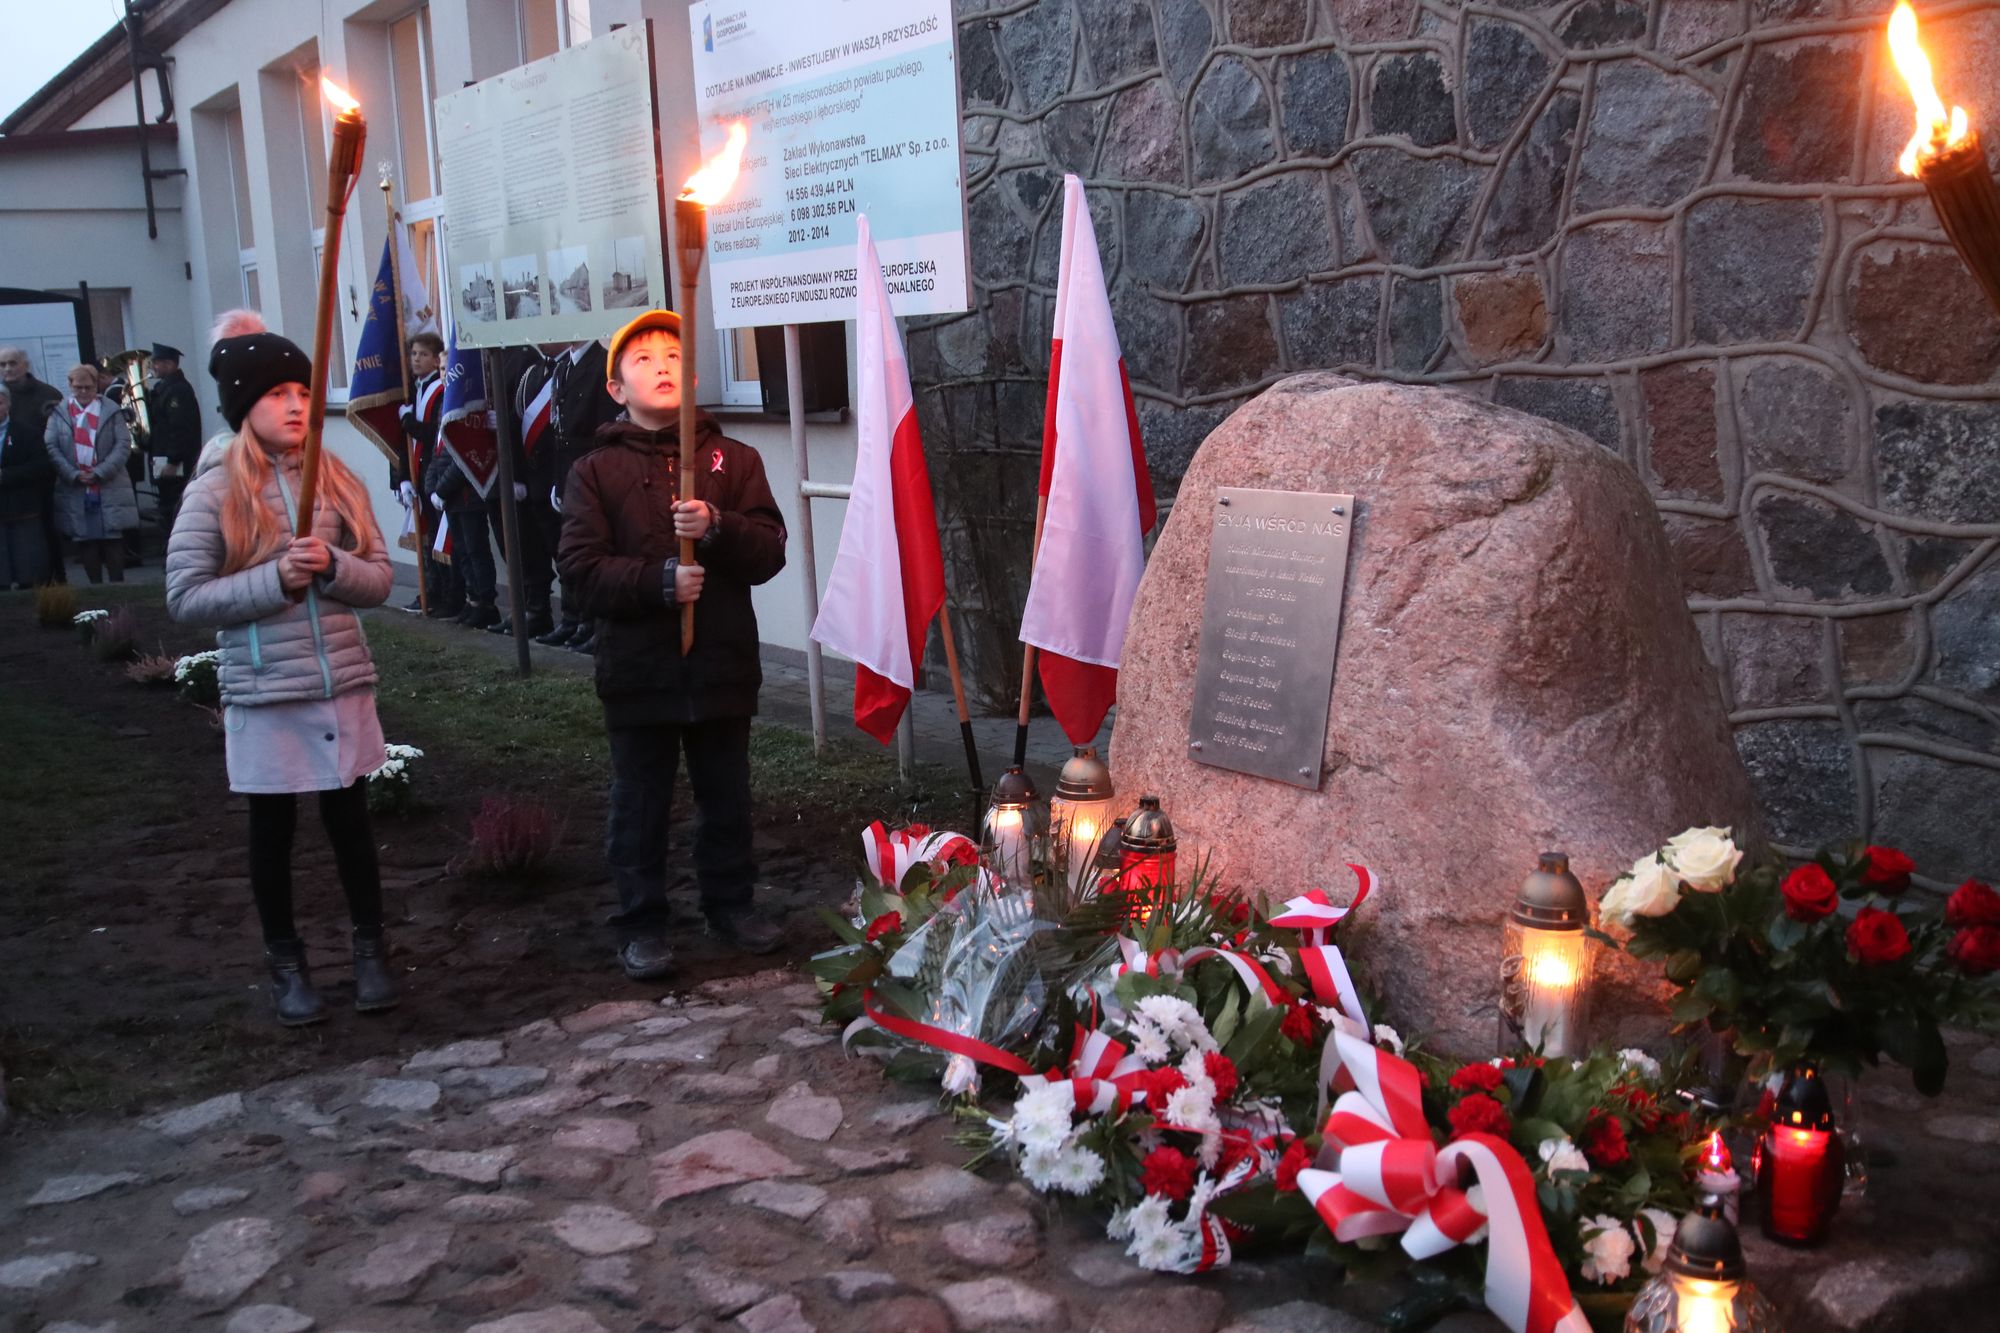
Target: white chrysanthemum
[1634,1058]
[1164,1250]
[85,617]
[1389,1037]
[1562,1155]
[1120,1225]
[1151,1213]
[1607,1254]
[1170,1014]
[1078,1170]
[1193,1108]
[1663,1236]
[1149,1043]
[403,752]
[1038,1169]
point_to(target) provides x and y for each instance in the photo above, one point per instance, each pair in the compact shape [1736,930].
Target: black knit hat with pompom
[250,365]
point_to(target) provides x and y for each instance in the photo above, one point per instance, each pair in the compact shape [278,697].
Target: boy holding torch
[623,520]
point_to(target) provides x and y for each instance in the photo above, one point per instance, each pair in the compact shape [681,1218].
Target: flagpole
[1028,651]
[964,715]
[403,357]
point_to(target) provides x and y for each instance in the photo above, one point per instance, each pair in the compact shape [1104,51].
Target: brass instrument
[128,391]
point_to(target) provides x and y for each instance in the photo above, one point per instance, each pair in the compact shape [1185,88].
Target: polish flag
[536,419]
[441,543]
[888,577]
[1098,491]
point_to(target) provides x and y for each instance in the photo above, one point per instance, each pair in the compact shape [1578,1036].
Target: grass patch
[136,1063]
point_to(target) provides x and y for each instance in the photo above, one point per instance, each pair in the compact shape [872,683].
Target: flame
[1935,131]
[1715,1157]
[712,183]
[338,95]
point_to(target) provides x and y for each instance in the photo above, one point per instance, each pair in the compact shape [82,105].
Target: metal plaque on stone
[1270,621]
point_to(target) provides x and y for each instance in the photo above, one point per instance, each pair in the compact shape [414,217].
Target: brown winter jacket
[617,536]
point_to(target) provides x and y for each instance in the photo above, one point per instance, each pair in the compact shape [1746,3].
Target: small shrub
[196,676]
[389,789]
[153,669]
[510,839]
[55,606]
[87,623]
[116,637]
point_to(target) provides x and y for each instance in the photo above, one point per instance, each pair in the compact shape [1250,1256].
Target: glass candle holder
[1702,1287]
[1545,964]
[1014,834]
[1146,855]
[1079,813]
[1801,1164]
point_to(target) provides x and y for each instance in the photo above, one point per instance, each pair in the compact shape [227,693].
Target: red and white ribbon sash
[892,854]
[1391,1177]
[1326,970]
[1103,1077]
[1171,963]
[83,436]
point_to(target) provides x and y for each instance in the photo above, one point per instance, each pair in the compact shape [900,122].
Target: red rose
[886,924]
[1299,1023]
[1167,1171]
[1976,949]
[1296,1159]
[1876,936]
[1809,894]
[1480,1114]
[1604,1142]
[1972,904]
[1481,1077]
[1222,1073]
[1886,870]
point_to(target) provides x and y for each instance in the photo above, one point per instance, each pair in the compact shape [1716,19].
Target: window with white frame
[741,386]
[413,82]
[239,196]
[576,21]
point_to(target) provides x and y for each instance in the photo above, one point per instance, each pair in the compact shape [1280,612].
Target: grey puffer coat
[275,650]
[114,486]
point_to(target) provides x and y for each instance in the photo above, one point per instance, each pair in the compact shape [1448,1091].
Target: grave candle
[1146,851]
[1945,154]
[1715,1175]
[1011,832]
[1545,963]
[1802,1168]
[1080,812]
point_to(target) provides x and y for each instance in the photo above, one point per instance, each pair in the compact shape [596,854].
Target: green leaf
[1721,985]
[1691,1007]
[1225,1025]
[1527,1083]
[1683,966]
[842,927]
[1638,1187]
[1534,1132]
[1913,1041]
[1785,933]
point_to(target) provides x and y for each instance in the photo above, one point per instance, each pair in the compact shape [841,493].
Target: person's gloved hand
[555,500]
[407,494]
[520,492]
[437,502]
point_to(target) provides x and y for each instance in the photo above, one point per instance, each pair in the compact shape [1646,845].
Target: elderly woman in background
[24,472]
[88,442]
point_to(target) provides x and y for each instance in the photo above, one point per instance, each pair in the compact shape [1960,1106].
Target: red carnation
[1222,1073]
[886,924]
[1645,1107]
[1886,870]
[1604,1142]
[1298,1024]
[1480,1114]
[1160,1084]
[1972,904]
[1976,949]
[1169,1172]
[1876,936]
[1481,1077]
[1809,894]
[1296,1159]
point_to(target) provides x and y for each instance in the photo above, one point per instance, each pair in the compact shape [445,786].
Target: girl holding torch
[297,680]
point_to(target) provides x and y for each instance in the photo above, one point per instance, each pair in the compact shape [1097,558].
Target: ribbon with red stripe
[1315,915]
[1102,1076]
[1171,963]
[952,1043]
[1391,1177]
[893,854]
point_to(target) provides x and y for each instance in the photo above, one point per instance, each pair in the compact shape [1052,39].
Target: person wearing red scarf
[88,442]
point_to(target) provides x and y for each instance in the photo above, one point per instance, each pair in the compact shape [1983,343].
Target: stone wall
[1674,226]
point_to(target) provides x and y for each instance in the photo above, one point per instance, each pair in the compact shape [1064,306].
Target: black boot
[291,985]
[374,984]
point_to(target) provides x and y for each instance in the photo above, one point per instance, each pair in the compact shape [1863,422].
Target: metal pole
[502,398]
[795,408]
[139,105]
[906,750]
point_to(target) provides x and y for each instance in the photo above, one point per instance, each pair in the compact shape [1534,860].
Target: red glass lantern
[1801,1163]
[1715,1175]
[1146,858]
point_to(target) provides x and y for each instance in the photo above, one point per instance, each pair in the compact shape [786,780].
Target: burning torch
[1945,154]
[707,186]
[343,169]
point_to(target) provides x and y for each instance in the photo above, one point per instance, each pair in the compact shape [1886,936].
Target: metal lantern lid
[1149,830]
[1803,1101]
[1551,898]
[1014,788]
[1705,1245]
[1113,842]
[1084,777]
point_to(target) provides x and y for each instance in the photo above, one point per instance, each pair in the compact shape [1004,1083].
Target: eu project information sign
[852,107]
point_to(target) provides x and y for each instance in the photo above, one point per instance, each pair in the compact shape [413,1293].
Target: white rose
[1705,858]
[1562,1155]
[1608,1254]
[1650,889]
[1663,1236]
[1635,1059]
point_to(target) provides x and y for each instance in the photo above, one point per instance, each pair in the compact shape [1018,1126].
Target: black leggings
[344,811]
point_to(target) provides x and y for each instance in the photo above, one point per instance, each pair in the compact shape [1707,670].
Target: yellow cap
[651,319]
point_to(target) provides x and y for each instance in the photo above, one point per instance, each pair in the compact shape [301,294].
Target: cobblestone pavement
[714,1161]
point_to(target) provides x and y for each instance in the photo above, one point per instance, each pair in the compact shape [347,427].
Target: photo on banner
[851,109]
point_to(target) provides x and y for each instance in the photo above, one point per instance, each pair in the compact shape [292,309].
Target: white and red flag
[1098,491]
[535,420]
[888,577]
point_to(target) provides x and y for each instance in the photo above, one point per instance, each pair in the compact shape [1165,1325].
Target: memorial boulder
[1516,671]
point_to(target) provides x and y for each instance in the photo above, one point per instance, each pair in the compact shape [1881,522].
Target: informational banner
[852,107]
[552,221]
[46,331]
